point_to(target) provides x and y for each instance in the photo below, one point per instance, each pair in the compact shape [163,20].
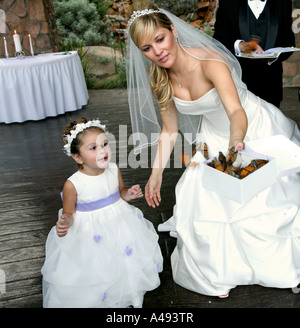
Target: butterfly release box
[241,190]
[283,159]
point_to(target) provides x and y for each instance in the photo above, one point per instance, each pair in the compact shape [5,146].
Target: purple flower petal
[104,296]
[97,238]
[128,250]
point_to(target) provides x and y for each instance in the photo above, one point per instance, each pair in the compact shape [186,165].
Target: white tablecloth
[40,86]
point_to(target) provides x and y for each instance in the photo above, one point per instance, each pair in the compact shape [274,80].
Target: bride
[197,85]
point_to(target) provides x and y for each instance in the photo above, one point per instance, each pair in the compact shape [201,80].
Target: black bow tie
[260,0]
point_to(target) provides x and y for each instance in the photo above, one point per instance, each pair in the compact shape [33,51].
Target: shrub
[102,6]
[80,20]
[178,7]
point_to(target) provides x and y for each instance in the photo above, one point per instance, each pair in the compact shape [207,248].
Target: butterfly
[251,45]
[225,164]
[254,165]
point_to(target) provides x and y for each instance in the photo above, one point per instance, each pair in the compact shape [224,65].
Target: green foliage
[78,20]
[85,59]
[178,7]
[208,29]
[115,81]
[102,6]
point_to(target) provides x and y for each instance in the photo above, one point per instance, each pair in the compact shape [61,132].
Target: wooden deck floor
[33,170]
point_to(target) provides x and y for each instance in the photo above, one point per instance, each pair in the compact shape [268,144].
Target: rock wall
[291,67]
[34,17]
[203,17]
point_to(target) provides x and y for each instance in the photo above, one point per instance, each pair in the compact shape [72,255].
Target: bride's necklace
[179,83]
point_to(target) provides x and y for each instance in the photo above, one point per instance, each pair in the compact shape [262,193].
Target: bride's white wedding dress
[221,243]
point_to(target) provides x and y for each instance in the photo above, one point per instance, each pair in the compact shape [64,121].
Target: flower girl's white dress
[222,243]
[110,256]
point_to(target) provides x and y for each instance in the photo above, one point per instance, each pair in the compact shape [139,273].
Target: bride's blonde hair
[145,27]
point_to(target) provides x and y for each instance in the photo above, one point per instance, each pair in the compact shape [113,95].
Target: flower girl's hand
[63,224]
[135,192]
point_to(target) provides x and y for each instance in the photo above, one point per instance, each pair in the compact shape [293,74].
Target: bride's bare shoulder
[204,53]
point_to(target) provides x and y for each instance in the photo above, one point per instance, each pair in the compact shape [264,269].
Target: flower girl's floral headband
[77,129]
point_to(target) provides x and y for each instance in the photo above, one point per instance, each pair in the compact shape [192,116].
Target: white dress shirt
[257,7]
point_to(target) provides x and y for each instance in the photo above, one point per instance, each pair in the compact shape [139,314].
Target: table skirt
[50,86]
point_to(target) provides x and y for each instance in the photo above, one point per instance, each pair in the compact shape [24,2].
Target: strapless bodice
[210,106]
[264,119]
[206,104]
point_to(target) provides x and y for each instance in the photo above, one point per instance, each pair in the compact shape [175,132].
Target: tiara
[77,129]
[140,13]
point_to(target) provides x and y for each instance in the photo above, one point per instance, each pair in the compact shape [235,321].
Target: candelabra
[20,54]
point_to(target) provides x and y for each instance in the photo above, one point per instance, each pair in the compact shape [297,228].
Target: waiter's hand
[251,47]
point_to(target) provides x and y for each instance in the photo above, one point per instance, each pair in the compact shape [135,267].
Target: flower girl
[102,252]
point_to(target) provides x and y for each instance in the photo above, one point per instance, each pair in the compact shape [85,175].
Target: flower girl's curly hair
[76,142]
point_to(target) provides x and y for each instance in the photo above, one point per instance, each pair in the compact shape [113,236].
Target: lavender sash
[97,204]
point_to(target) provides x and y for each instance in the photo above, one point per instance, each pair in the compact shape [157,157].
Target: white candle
[30,42]
[5,47]
[17,42]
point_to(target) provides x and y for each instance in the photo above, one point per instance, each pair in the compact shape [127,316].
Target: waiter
[270,21]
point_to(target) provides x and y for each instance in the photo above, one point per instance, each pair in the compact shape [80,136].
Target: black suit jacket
[232,23]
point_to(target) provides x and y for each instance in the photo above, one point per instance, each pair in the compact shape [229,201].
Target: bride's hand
[240,146]
[152,190]
[237,143]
